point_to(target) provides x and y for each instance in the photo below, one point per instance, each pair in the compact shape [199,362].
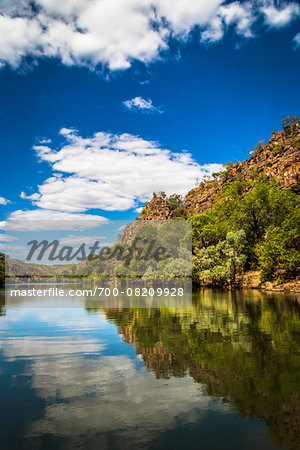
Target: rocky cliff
[157,209]
[279,158]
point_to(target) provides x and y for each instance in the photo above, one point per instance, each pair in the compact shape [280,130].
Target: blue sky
[94,127]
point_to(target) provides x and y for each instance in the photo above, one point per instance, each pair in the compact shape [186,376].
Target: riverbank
[251,280]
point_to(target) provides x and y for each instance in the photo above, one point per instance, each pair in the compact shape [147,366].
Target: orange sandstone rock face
[201,198]
[156,209]
[279,158]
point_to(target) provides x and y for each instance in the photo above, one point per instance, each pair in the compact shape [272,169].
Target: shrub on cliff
[289,124]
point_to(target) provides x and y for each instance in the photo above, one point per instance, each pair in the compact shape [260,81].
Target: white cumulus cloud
[7,238]
[143,105]
[11,248]
[239,15]
[115,33]
[4,201]
[43,219]
[297,39]
[75,239]
[111,172]
[282,15]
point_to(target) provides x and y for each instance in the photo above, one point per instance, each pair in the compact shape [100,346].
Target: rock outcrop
[156,209]
[280,158]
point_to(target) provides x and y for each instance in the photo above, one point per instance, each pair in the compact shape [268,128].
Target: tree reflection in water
[241,346]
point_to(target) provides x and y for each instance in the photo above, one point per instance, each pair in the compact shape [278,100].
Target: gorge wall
[279,158]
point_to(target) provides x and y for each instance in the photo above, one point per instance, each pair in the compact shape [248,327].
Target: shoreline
[250,280]
[288,287]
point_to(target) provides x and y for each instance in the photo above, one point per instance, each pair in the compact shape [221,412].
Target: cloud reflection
[88,392]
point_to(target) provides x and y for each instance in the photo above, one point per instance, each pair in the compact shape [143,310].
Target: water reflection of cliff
[242,347]
[2,305]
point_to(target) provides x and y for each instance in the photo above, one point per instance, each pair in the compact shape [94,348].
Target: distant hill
[16,268]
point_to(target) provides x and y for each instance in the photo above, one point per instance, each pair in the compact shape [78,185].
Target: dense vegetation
[252,225]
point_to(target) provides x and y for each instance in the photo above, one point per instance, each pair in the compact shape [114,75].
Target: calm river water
[223,374]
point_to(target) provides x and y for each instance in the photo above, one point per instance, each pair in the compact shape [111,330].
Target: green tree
[170,234]
[279,253]
[219,264]
[289,124]
[177,268]
[175,201]
[253,206]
